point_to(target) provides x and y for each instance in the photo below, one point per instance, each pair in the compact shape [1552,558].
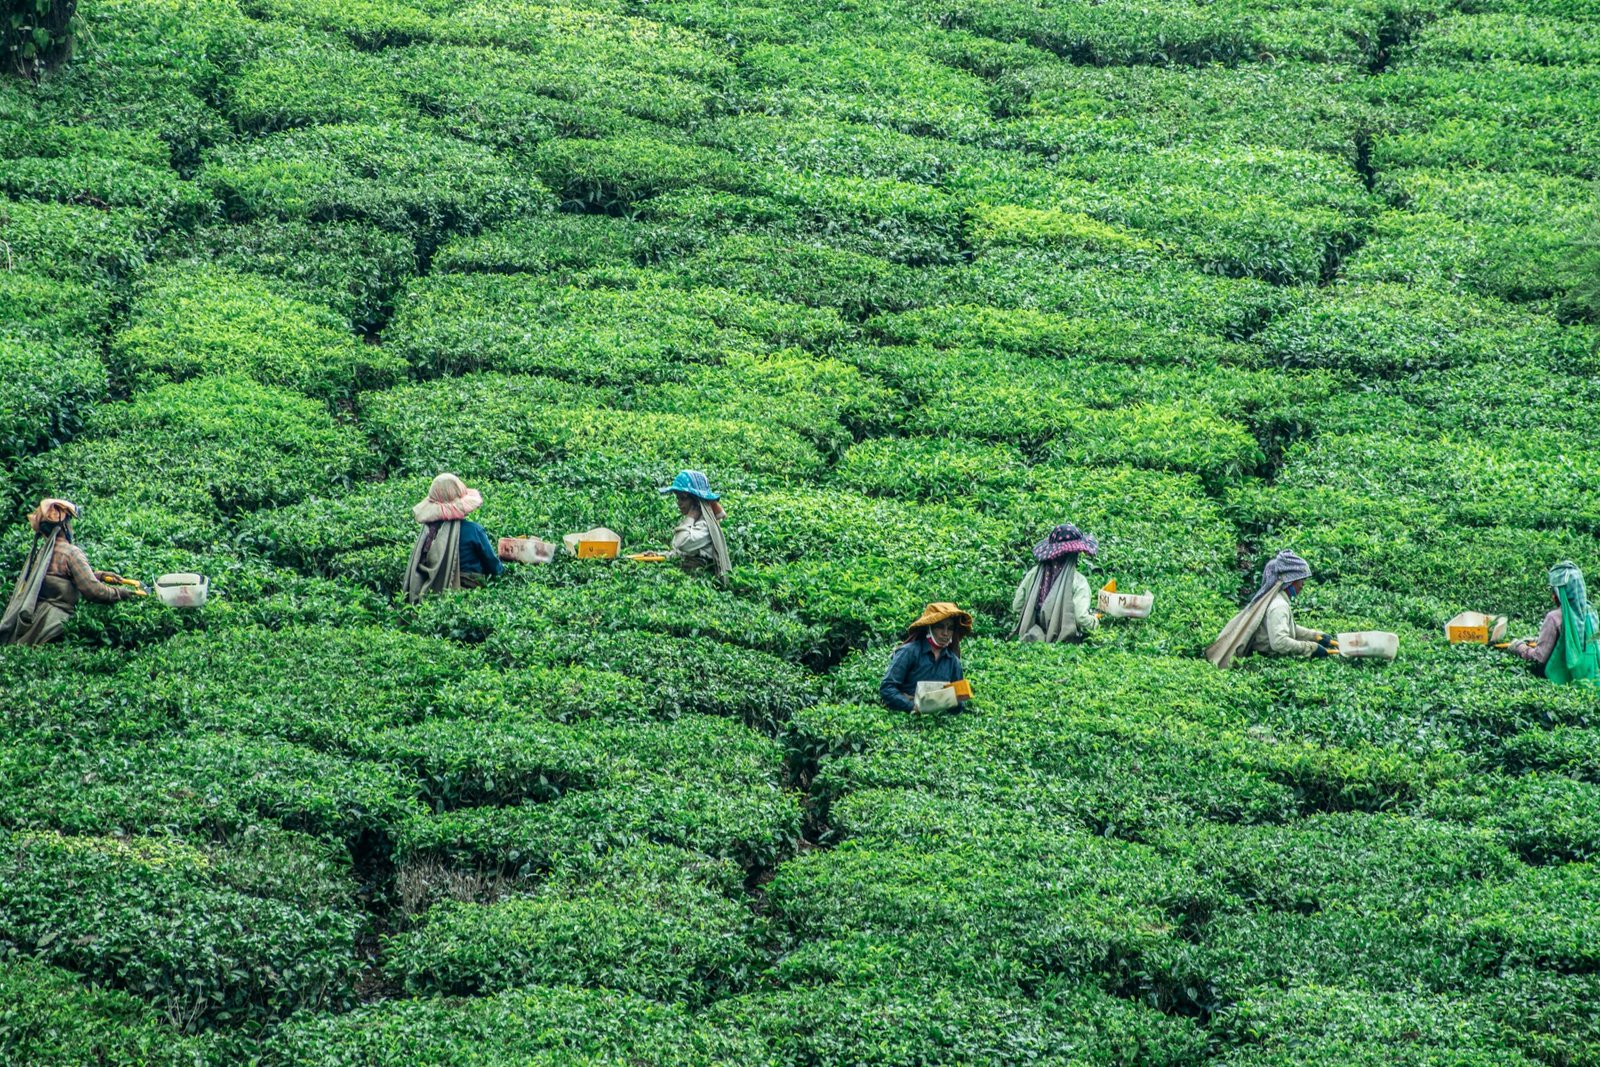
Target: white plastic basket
[1369,644]
[935,696]
[526,550]
[183,589]
[1127,605]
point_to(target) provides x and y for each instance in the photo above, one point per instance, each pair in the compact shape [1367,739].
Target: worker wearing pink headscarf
[451,552]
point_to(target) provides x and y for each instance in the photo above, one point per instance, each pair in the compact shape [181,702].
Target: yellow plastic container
[1475,628]
[598,543]
[963,689]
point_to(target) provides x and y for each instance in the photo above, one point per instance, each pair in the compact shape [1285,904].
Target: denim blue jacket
[913,663]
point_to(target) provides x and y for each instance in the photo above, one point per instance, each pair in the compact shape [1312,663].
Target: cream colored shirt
[1279,634]
[1082,609]
[691,537]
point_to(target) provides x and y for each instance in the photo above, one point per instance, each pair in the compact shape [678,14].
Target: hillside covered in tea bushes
[913,282]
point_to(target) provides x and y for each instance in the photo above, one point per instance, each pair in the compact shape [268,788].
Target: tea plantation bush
[489,426]
[144,915]
[208,443]
[214,322]
[53,1019]
[673,933]
[417,183]
[911,284]
[51,386]
[351,268]
[456,324]
[75,242]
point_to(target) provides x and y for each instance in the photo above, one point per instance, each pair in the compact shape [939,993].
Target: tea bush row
[618,598]
[54,1021]
[523,758]
[752,826]
[75,242]
[1468,480]
[1498,115]
[669,926]
[1055,109]
[494,427]
[896,1022]
[51,387]
[212,321]
[457,324]
[403,180]
[146,915]
[216,784]
[204,446]
[352,268]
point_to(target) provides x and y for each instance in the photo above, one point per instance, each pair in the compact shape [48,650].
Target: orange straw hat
[52,509]
[938,612]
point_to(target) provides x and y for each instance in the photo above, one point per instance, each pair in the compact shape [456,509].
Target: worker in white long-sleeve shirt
[697,540]
[1266,624]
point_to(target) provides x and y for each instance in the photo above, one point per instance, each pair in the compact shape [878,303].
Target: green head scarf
[1576,657]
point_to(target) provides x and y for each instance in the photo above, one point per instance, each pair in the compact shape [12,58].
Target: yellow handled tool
[113,578]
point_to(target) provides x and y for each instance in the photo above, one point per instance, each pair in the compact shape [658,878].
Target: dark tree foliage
[38,34]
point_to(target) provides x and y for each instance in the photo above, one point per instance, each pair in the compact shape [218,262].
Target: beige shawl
[1056,619]
[438,569]
[19,614]
[719,544]
[1240,629]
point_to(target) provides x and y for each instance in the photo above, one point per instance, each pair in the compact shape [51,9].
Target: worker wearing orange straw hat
[931,652]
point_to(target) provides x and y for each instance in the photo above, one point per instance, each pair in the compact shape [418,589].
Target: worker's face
[1293,588]
[687,505]
[943,632]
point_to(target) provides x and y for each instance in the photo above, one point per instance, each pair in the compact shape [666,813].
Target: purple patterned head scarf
[1057,551]
[1285,567]
[1063,539]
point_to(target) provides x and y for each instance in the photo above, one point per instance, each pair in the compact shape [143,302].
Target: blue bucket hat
[694,483]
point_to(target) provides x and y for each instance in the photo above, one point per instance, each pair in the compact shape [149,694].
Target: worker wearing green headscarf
[1566,650]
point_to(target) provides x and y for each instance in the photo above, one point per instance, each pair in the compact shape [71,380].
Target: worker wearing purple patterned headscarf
[1052,603]
[1266,624]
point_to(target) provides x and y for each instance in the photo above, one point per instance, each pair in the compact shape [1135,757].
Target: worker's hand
[1323,652]
[1325,640]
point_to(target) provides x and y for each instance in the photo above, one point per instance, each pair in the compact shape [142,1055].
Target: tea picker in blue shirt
[931,653]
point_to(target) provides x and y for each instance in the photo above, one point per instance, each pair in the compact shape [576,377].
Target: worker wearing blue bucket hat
[697,540]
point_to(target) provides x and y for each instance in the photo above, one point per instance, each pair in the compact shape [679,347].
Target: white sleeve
[691,539]
[1081,606]
[1281,631]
